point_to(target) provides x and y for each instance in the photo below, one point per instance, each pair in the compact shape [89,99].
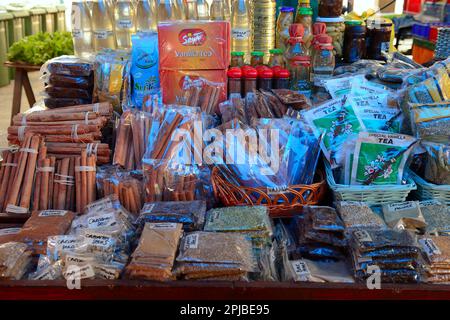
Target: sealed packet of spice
[15,259]
[358,215]
[305,270]
[380,158]
[8,234]
[436,250]
[434,89]
[404,215]
[437,165]
[371,240]
[430,121]
[437,217]
[337,122]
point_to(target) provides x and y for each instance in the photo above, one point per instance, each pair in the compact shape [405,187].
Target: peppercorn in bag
[437,217]
[380,158]
[431,121]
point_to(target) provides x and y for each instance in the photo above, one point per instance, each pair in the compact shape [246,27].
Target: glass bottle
[285,19]
[81,28]
[227,10]
[180,9]
[257,58]
[203,10]
[276,58]
[324,61]
[354,41]
[124,19]
[298,62]
[237,59]
[102,26]
[167,11]
[146,19]
[241,32]
[191,12]
[217,10]
[304,16]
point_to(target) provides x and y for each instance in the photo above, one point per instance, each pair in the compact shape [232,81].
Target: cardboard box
[172,82]
[191,45]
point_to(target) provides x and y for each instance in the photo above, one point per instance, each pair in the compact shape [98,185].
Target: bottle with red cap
[324,61]
[265,77]
[298,61]
[234,80]
[250,80]
[281,78]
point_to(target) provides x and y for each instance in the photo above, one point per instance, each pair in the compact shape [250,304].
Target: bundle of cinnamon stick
[203,94]
[68,130]
[85,183]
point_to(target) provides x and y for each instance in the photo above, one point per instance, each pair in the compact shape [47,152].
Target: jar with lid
[318,29]
[265,76]
[234,80]
[285,19]
[281,79]
[237,59]
[378,38]
[304,17]
[257,59]
[323,63]
[335,29]
[330,8]
[250,80]
[276,58]
[354,41]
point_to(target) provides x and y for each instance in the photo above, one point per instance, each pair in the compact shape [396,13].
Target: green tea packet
[380,158]
[363,88]
[341,87]
[336,122]
[375,114]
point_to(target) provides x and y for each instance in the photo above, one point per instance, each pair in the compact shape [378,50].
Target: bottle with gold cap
[241,30]
[203,10]
[190,8]
[146,19]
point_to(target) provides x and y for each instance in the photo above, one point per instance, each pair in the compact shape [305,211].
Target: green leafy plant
[39,48]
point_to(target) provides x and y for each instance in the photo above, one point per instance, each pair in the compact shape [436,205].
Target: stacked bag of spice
[15,260]
[97,245]
[190,213]
[215,256]
[392,253]
[68,80]
[405,215]
[437,217]
[358,215]
[436,250]
[155,254]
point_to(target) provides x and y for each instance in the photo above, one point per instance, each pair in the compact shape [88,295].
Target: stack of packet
[437,217]
[190,213]
[154,257]
[15,260]
[215,256]
[394,254]
[253,222]
[436,250]
[319,234]
[97,245]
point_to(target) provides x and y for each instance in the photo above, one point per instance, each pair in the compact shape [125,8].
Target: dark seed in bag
[393,276]
[59,92]
[53,103]
[57,80]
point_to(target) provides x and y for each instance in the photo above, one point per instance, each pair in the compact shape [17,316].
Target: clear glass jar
[257,59]
[336,30]
[378,37]
[300,71]
[330,8]
[323,62]
[237,59]
[276,58]
[354,41]
[285,19]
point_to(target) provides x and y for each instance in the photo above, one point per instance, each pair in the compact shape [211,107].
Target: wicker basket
[428,191]
[373,195]
[279,204]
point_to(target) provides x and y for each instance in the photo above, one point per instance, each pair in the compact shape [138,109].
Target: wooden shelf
[189,290]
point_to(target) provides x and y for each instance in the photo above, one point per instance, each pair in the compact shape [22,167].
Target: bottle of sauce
[257,59]
[354,41]
[250,80]
[285,19]
[124,18]
[265,77]
[81,28]
[191,12]
[217,10]
[234,80]
[324,61]
[203,10]
[281,79]
[237,59]
[102,26]
[330,8]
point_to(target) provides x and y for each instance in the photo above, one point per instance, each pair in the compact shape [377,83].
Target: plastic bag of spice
[337,122]
[202,93]
[72,93]
[53,103]
[68,65]
[305,270]
[15,260]
[434,89]
[64,81]
[431,121]
[380,158]
[404,215]
[437,217]
[358,215]
[437,165]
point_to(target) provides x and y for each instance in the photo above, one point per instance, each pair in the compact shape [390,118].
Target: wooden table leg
[28,89]
[17,97]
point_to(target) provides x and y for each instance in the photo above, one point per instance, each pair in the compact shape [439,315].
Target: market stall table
[191,290]
[21,80]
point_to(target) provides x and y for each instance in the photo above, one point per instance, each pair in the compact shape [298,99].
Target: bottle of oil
[264,25]
[102,26]
[125,24]
[81,28]
[146,19]
[167,11]
[227,10]
[241,31]
[203,10]
[179,8]
[190,10]
[217,11]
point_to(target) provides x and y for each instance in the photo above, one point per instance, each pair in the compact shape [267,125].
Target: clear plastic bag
[404,215]
[64,81]
[202,93]
[431,121]
[437,217]
[68,65]
[437,165]
[358,215]
[71,93]
[15,259]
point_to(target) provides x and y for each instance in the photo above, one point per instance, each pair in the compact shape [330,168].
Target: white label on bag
[104,220]
[53,213]
[429,203]
[300,268]
[102,34]
[100,205]
[98,240]
[66,243]
[395,207]
[76,34]
[72,259]
[362,236]
[106,273]
[240,34]
[163,225]
[5,232]
[429,247]
[191,241]
[84,272]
